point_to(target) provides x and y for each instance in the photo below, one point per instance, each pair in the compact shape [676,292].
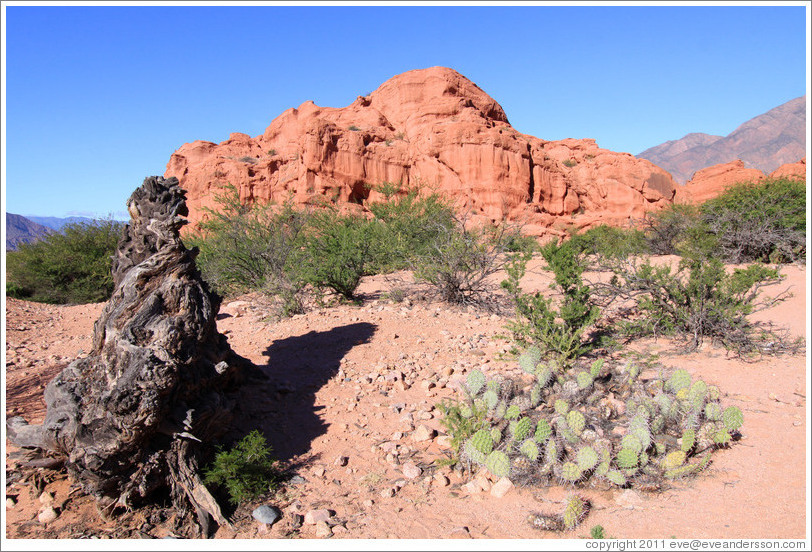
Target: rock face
[20,229]
[712,181]
[765,142]
[129,417]
[435,130]
[791,170]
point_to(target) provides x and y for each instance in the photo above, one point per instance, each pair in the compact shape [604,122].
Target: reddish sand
[358,382]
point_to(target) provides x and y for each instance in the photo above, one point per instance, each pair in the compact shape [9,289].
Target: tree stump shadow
[283,406]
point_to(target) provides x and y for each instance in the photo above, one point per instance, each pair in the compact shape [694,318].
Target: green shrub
[461,262]
[608,241]
[556,331]
[406,226]
[71,266]
[250,248]
[246,471]
[666,229]
[698,300]
[336,252]
[763,221]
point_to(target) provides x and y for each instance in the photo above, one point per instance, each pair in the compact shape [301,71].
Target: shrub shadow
[283,406]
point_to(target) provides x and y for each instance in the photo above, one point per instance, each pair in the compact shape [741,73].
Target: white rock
[47,515]
[411,471]
[501,487]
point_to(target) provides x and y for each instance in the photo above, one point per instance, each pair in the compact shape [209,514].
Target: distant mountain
[764,142]
[56,223]
[20,229]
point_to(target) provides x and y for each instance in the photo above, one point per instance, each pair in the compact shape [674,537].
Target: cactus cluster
[596,422]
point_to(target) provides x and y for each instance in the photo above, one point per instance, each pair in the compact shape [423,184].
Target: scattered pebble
[315,516]
[411,471]
[501,487]
[629,499]
[266,514]
[47,515]
[323,530]
[423,433]
[10,503]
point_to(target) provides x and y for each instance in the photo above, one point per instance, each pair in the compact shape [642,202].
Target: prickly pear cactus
[475,381]
[575,511]
[498,463]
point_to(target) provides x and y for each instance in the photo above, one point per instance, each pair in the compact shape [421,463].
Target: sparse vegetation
[71,266]
[246,471]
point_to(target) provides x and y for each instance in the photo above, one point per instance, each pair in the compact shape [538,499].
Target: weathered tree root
[131,419]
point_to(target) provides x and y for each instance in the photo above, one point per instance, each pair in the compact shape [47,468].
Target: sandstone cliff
[436,130]
[711,181]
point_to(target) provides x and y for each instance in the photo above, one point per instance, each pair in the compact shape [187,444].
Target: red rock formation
[791,170]
[436,130]
[711,181]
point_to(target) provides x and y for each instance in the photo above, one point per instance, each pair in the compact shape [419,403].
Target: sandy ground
[351,394]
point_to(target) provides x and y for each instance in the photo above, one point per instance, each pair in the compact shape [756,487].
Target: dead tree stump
[131,418]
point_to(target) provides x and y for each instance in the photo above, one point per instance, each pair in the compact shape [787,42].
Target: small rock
[319,471]
[323,530]
[388,492]
[297,480]
[501,487]
[315,516]
[47,515]
[339,530]
[444,441]
[46,498]
[10,503]
[341,460]
[266,514]
[296,521]
[369,502]
[441,481]
[472,487]
[411,471]
[423,433]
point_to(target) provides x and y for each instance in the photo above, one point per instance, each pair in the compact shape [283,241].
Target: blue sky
[97,98]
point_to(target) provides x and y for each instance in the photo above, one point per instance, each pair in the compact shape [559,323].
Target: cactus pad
[673,460]
[512,412]
[535,396]
[688,440]
[584,379]
[596,368]
[561,406]
[713,411]
[490,398]
[552,450]
[732,418]
[544,375]
[616,477]
[475,381]
[543,431]
[498,463]
[472,453]
[529,359]
[530,449]
[576,421]
[632,443]
[680,379]
[587,458]
[482,441]
[570,472]
[496,435]
[627,458]
[575,511]
[520,429]
[500,410]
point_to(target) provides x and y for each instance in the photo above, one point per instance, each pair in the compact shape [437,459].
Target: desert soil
[349,406]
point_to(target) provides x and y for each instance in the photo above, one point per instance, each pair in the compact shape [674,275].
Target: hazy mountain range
[764,142]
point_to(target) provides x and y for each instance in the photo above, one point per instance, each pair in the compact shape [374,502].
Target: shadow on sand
[283,406]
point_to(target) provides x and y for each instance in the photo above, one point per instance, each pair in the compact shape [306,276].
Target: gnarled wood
[131,416]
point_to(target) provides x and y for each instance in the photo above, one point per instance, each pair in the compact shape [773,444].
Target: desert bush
[336,252]
[246,471]
[406,226]
[608,241]
[764,221]
[596,422]
[666,229]
[461,261]
[71,266]
[558,332]
[250,248]
[695,301]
